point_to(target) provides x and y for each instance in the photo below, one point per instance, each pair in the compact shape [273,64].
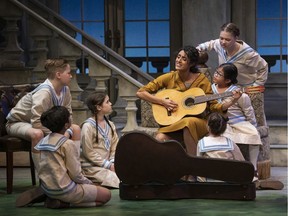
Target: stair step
[277,123]
[278,146]
[278,132]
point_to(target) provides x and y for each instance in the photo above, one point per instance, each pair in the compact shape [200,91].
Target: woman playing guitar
[185,77]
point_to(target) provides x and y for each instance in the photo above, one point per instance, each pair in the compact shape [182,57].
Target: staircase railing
[107,52]
[127,84]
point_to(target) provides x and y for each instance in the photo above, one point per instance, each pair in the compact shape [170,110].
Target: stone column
[71,53]
[127,91]
[12,52]
[40,35]
[100,73]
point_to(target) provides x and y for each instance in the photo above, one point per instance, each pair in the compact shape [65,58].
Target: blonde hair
[54,65]
[231,28]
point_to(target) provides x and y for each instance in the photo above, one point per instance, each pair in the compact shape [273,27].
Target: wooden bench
[10,144]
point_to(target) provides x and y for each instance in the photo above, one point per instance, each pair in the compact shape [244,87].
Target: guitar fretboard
[205,98]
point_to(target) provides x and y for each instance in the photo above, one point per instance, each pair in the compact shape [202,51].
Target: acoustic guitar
[191,102]
[141,159]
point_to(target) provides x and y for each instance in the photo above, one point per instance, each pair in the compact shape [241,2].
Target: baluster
[40,35]
[127,91]
[12,52]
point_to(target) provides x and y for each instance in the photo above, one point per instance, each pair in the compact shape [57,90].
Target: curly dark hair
[55,118]
[193,56]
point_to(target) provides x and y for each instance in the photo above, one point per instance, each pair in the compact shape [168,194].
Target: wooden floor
[268,202]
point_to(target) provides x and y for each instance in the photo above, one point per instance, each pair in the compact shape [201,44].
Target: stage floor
[267,202]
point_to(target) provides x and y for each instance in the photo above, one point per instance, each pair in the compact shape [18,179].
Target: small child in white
[215,145]
[242,123]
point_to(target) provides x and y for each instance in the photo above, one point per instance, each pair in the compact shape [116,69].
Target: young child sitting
[242,124]
[215,145]
[98,142]
[61,179]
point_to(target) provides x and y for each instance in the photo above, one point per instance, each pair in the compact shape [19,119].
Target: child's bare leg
[103,195]
[36,135]
[162,137]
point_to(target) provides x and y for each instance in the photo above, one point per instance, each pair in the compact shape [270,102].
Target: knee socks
[253,155]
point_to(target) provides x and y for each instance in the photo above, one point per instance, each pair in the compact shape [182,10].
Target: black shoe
[29,197]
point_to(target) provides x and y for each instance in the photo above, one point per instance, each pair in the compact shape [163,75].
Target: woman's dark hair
[193,56]
[231,28]
[93,100]
[230,72]
[217,123]
[55,118]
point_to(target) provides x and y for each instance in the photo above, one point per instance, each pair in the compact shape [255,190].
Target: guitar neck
[205,98]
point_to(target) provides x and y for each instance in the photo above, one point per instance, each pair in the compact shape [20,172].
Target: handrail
[77,44]
[93,40]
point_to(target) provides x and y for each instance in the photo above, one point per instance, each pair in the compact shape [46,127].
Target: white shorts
[19,129]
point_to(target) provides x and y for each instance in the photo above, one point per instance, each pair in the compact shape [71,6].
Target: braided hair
[93,100]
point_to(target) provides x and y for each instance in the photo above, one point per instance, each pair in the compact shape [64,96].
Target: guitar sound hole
[189,102]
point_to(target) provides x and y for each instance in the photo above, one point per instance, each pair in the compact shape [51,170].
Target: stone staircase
[278,142]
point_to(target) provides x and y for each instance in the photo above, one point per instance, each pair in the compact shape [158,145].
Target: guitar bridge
[168,112]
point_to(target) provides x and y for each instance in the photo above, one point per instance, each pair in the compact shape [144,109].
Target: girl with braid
[215,145]
[98,142]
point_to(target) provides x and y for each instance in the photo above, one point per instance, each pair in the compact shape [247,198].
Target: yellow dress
[196,124]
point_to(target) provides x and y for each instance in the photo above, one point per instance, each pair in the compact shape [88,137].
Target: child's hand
[112,168]
[237,94]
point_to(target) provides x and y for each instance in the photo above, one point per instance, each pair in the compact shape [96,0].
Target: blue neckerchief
[215,91]
[46,146]
[236,56]
[57,101]
[205,147]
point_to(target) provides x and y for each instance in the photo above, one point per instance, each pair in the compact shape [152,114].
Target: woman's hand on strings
[170,105]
